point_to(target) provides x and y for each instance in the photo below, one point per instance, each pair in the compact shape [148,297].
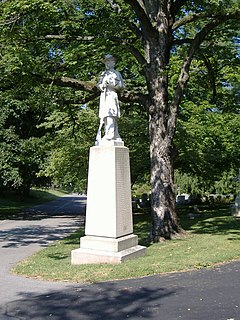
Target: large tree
[162,24]
[66,37]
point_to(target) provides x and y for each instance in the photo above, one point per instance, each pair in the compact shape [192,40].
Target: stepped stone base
[109,224]
[107,250]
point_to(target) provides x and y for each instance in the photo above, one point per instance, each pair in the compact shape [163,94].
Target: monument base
[107,250]
[109,223]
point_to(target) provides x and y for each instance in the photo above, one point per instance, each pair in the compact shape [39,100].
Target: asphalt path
[38,227]
[196,295]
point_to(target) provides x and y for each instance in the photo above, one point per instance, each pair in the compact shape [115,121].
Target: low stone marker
[235,208]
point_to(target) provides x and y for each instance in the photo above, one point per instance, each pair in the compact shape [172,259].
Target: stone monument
[109,234]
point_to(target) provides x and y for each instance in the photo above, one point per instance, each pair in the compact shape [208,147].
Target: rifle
[99,135]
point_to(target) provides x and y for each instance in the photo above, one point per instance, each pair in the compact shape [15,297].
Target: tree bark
[163,116]
[163,208]
[157,47]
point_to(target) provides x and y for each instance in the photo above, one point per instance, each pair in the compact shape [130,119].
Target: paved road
[198,295]
[21,238]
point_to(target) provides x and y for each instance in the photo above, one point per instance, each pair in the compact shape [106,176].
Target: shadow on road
[36,234]
[107,301]
[44,223]
[68,206]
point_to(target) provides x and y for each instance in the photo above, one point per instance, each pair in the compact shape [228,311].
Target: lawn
[212,238]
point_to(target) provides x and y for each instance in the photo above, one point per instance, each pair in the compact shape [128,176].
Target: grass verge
[211,239]
[11,203]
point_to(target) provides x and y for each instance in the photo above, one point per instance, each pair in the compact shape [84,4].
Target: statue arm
[116,81]
[102,83]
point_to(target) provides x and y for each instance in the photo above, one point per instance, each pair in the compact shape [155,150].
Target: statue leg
[111,129]
[116,133]
[109,126]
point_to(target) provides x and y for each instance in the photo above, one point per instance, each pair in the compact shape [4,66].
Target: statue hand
[102,87]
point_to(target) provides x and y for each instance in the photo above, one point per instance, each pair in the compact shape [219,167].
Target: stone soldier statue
[109,84]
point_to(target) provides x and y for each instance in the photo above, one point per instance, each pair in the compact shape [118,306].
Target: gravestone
[181,200]
[236,207]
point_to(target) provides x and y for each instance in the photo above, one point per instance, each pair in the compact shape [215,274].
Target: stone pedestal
[109,227]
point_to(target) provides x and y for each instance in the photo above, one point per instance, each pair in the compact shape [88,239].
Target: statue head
[109,61]
[109,57]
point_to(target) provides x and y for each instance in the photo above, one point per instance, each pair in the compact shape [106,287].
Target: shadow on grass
[216,220]
[74,238]
[58,256]
[142,228]
[210,221]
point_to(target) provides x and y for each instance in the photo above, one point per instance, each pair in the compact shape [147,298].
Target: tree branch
[72,83]
[132,26]
[190,18]
[64,37]
[205,15]
[181,41]
[11,20]
[177,4]
[127,96]
[114,5]
[137,54]
[212,77]
[140,58]
[90,87]
[139,7]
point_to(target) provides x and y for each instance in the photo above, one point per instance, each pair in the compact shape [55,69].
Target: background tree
[61,42]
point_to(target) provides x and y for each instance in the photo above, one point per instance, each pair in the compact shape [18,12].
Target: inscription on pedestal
[109,211]
[109,226]
[123,196]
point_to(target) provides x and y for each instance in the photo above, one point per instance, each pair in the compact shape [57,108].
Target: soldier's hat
[109,57]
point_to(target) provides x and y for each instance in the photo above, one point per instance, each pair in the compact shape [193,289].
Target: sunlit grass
[211,239]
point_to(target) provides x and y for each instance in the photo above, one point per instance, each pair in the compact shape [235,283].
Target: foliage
[68,148]
[21,148]
[208,143]
[192,184]
[51,54]
[52,119]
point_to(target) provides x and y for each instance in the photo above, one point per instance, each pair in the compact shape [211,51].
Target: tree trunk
[163,206]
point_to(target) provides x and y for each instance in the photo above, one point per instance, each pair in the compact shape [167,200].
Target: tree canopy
[51,53]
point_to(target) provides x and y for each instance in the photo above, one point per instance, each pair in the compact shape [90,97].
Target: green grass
[211,239]
[11,204]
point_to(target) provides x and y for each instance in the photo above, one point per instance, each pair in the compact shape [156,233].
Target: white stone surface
[109,226]
[87,256]
[109,244]
[111,143]
[109,208]
[110,83]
